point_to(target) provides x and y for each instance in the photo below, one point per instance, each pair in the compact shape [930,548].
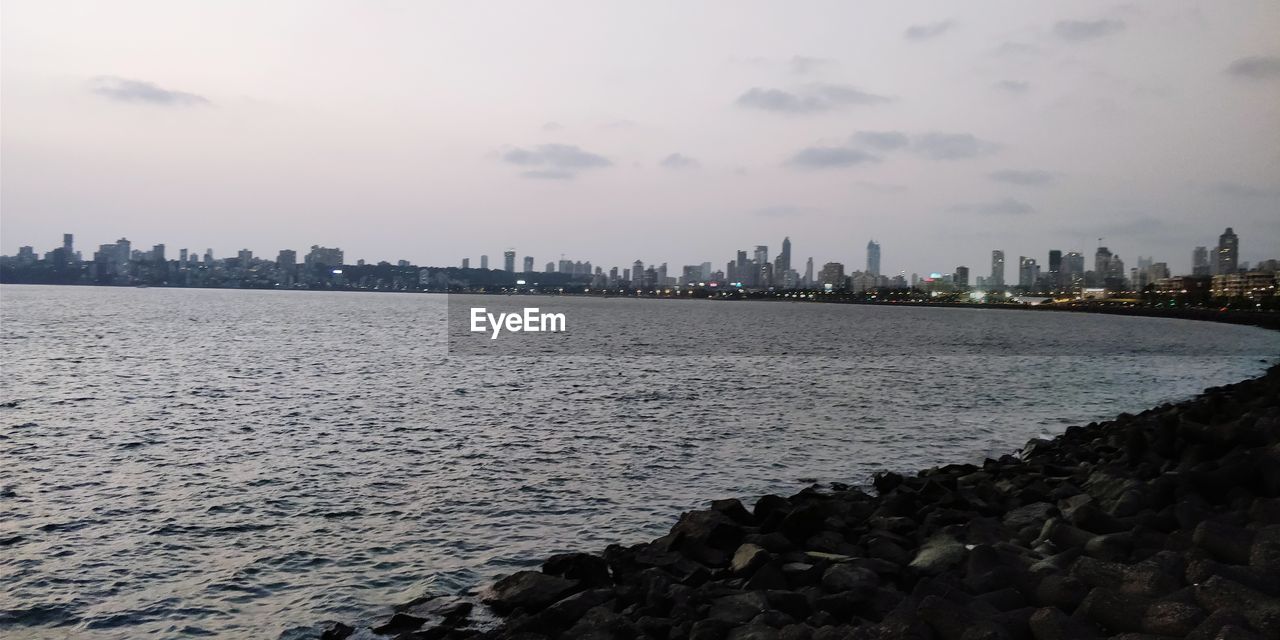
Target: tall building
[831,276]
[1228,258]
[286,258]
[808,272]
[551,267]
[637,273]
[1200,262]
[997,269]
[323,256]
[961,276]
[1028,272]
[762,255]
[157,253]
[528,264]
[68,244]
[873,258]
[509,261]
[1102,262]
[1072,268]
[784,258]
[466,263]
[1055,261]
[484,262]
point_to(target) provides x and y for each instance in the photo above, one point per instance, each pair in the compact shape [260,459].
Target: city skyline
[1061,270]
[933,128]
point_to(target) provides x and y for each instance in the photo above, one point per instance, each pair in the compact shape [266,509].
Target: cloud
[830,157]
[1013,86]
[882,187]
[812,98]
[1023,178]
[881,140]
[1255,67]
[552,126]
[679,161]
[783,211]
[951,146]
[1082,30]
[554,161]
[125,90]
[919,32]
[1243,191]
[803,65]
[1004,207]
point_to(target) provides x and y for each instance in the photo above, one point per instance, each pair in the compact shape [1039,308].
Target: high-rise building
[1055,261]
[1200,262]
[551,267]
[997,269]
[68,245]
[637,273]
[1028,272]
[762,255]
[808,272]
[961,276]
[509,261]
[466,263]
[1102,262]
[286,258]
[157,253]
[831,276]
[1072,268]
[784,258]
[528,264]
[1228,257]
[873,258]
[484,262]
[323,257]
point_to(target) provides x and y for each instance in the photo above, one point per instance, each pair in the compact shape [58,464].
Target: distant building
[997,269]
[509,261]
[1228,252]
[466,263]
[1200,262]
[784,258]
[528,264]
[831,276]
[286,258]
[551,267]
[484,262]
[961,277]
[873,258]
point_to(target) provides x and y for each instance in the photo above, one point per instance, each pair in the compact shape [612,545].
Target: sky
[658,131]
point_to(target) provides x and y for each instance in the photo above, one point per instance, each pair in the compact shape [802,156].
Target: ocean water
[248,464]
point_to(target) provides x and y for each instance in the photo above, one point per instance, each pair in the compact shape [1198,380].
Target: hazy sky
[666,132]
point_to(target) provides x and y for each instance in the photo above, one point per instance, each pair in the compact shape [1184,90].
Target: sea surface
[248,464]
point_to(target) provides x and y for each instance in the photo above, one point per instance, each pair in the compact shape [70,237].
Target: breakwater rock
[1164,524]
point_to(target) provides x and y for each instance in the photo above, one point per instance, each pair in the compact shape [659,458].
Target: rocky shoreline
[1164,524]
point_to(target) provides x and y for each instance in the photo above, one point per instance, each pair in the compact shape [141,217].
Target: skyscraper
[528,264]
[808,272]
[762,255]
[1102,262]
[466,263]
[637,273]
[997,269]
[509,260]
[67,244]
[873,258]
[484,262]
[1228,258]
[961,277]
[1200,261]
[1028,272]
[784,258]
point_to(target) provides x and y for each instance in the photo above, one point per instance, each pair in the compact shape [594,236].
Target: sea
[252,464]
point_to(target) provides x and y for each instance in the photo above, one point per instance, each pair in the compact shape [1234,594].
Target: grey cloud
[552,126]
[1004,207]
[125,90]
[1023,178]
[951,146]
[679,161]
[1081,30]
[557,161]
[882,140]
[927,31]
[1244,191]
[802,65]
[882,187]
[831,157]
[1255,67]
[809,99]
[1013,86]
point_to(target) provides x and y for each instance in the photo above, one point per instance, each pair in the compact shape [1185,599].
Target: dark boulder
[528,590]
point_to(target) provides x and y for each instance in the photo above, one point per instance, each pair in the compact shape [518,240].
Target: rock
[568,610]
[337,631]
[1029,515]
[710,629]
[769,576]
[400,623]
[796,632]
[1113,610]
[792,603]
[733,508]
[886,481]
[1064,592]
[528,590]
[738,609]
[938,554]
[753,632]
[801,574]
[844,577]
[748,558]
[1049,623]
[589,569]
[1176,619]
[802,522]
[1226,543]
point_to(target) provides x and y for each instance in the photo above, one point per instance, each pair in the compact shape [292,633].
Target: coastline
[1155,525]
